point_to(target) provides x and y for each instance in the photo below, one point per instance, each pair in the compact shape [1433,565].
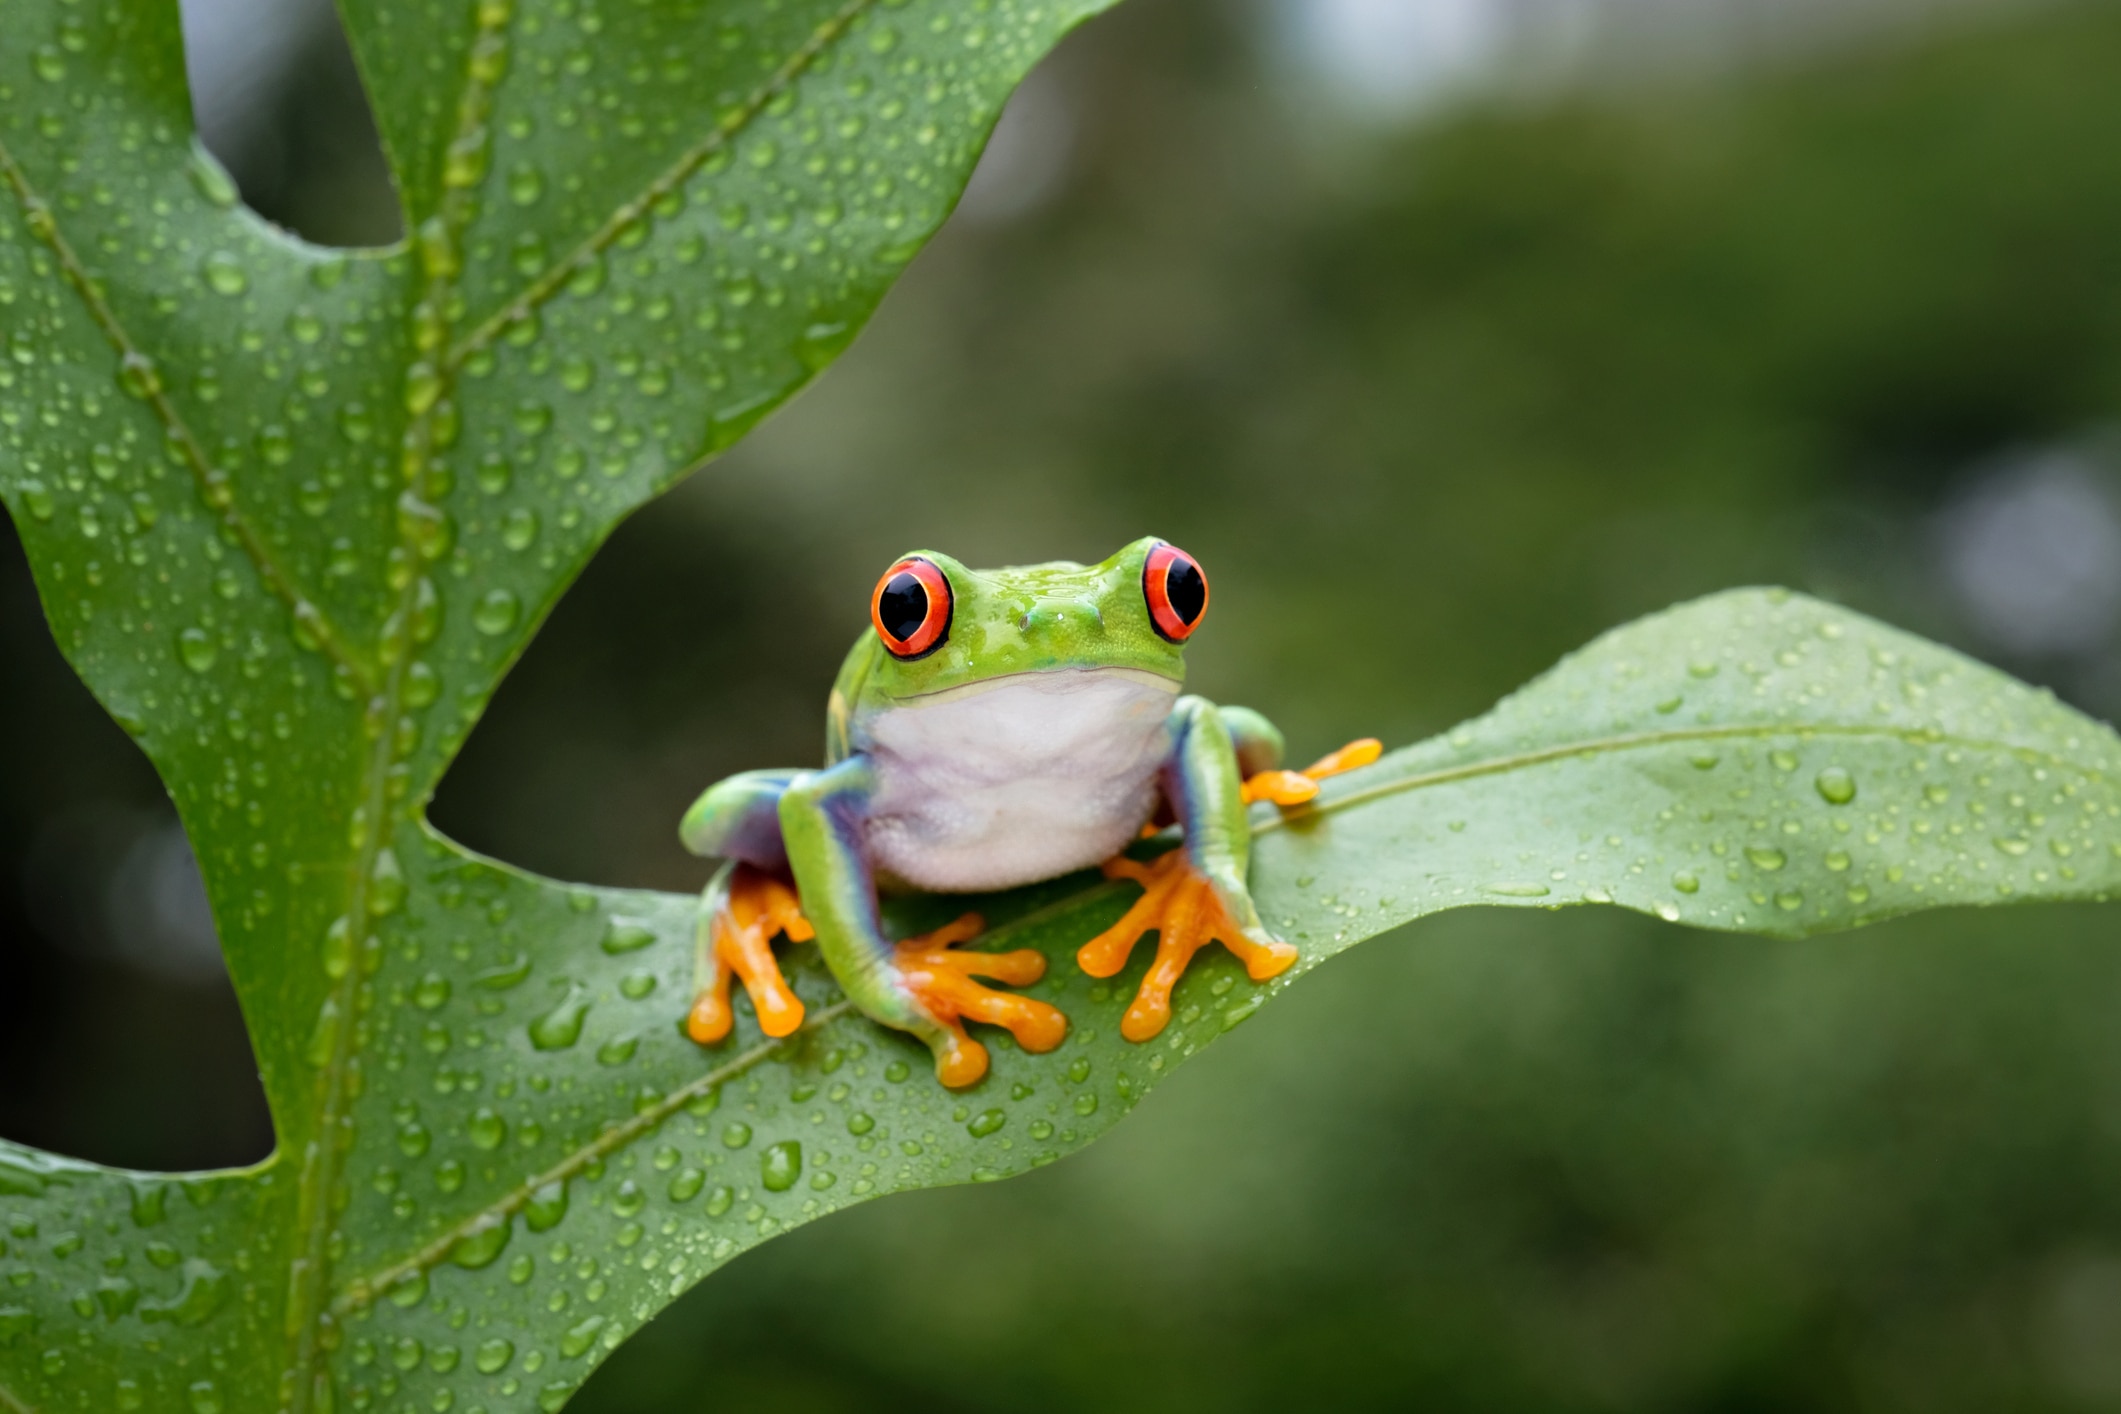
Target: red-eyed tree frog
[994,728]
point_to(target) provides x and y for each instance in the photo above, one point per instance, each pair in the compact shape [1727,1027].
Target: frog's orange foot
[938,979]
[1291,788]
[1187,914]
[740,945]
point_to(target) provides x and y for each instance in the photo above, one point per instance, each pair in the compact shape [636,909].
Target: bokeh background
[1446,333]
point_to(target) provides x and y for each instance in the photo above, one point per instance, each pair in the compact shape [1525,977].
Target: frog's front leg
[744,906]
[923,985]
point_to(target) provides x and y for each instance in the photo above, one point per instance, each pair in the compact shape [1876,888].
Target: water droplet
[413,1139]
[859,1123]
[636,985]
[211,178]
[205,1397]
[1086,1103]
[1790,900]
[561,1027]
[1766,857]
[986,1123]
[496,612]
[386,884]
[624,935]
[423,387]
[1835,786]
[546,1207]
[1686,881]
[431,991]
[198,650]
[780,1165]
[618,1050]
[1837,860]
[2014,848]
[737,1135]
[480,1246]
[580,1336]
[525,185]
[224,274]
[486,1128]
[116,1296]
[1783,760]
[493,1356]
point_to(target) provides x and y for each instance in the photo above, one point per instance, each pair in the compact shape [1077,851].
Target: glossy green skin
[1006,622]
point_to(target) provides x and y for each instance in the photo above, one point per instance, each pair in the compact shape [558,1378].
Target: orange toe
[939,978]
[1184,911]
[1292,788]
[759,908]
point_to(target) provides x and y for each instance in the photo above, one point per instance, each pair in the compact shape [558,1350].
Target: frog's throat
[1144,676]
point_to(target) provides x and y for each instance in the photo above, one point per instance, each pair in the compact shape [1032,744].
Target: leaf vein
[214,486]
[1636,741]
[546,285]
[363,1290]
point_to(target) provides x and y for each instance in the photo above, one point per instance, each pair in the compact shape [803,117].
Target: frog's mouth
[1046,682]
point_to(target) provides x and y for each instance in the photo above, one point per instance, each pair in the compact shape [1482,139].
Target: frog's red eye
[1176,590]
[911,608]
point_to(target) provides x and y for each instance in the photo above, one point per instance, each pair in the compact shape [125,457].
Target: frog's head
[943,627]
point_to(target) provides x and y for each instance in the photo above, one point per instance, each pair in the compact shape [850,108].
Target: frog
[991,729]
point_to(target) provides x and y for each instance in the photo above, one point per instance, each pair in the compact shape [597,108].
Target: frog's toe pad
[939,979]
[1186,914]
[740,945]
[1289,789]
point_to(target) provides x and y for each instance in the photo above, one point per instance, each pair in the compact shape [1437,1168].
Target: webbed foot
[937,979]
[1291,788]
[1181,904]
[736,939]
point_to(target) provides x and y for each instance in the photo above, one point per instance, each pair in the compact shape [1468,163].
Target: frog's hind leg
[923,985]
[744,906]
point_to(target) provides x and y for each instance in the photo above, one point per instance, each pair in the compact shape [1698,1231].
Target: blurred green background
[1444,343]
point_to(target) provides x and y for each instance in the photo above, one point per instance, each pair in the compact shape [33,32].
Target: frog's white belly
[1024,778]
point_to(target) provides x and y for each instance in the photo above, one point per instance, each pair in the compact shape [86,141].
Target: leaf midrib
[1332,804]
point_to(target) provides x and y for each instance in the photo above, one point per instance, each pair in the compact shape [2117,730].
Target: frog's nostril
[1050,615]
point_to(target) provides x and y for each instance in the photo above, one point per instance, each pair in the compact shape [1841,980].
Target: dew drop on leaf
[479,1247]
[561,1027]
[486,1128]
[197,649]
[1835,786]
[224,274]
[780,1165]
[496,612]
[624,935]
[547,1205]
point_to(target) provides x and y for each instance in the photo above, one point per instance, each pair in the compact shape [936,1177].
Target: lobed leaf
[293,511]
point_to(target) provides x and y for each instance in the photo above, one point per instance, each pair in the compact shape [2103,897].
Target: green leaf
[293,511]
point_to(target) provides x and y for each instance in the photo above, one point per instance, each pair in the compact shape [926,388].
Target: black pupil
[1186,590]
[903,606]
